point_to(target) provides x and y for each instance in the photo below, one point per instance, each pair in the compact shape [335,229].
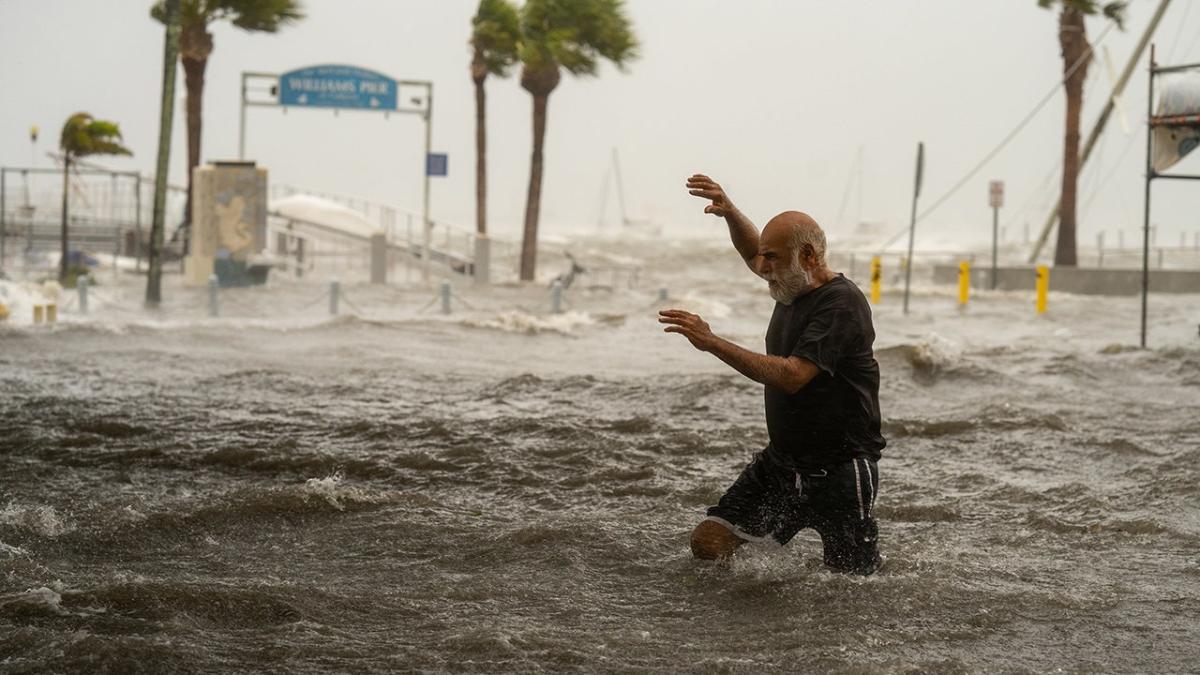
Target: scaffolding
[1168,119]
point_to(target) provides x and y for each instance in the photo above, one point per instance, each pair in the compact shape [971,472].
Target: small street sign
[437,164]
[996,194]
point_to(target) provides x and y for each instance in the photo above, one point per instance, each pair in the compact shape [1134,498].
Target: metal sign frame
[267,90]
[1153,121]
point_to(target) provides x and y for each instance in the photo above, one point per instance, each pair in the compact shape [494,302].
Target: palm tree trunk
[166,116]
[480,157]
[533,200]
[62,264]
[193,71]
[1074,44]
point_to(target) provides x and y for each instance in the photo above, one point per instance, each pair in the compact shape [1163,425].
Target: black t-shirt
[835,417]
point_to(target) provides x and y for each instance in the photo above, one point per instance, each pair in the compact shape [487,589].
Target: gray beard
[786,287]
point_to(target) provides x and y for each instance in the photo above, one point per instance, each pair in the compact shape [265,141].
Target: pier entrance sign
[334,86]
[342,87]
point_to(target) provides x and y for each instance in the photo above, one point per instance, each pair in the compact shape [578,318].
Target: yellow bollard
[39,312]
[1043,287]
[51,313]
[876,278]
[964,284]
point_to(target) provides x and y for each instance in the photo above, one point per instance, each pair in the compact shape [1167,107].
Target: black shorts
[772,501]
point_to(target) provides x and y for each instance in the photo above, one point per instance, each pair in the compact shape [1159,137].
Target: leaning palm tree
[83,135]
[196,45]
[495,38]
[1077,55]
[571,35]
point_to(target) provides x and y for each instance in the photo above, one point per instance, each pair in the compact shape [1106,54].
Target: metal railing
[403,227]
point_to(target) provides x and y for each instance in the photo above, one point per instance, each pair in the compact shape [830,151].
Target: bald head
[798,234]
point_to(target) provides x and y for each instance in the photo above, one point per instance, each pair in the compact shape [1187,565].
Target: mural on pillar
[229,217]
[233,232]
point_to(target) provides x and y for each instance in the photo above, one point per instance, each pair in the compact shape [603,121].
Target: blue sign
[337,87]
[437,164]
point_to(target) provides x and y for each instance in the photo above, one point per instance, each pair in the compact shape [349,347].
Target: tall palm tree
[571,35]
[196,45]
[83,135]
[1077,55]
[495,39]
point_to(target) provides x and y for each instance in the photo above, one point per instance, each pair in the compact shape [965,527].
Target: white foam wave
[43,520]
[936,352]
[337,494]
[523,322]
[41,597]
[18,300]
[13,551]
[709,308]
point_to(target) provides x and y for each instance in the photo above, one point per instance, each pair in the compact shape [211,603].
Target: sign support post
[995,200]
[425,245]
[912,228]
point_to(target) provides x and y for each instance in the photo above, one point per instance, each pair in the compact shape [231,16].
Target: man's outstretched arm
[789,374]
[742,232]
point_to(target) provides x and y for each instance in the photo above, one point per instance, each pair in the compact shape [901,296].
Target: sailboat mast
[620,186]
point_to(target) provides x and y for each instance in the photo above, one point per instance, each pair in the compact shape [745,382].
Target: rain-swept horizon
[811,106]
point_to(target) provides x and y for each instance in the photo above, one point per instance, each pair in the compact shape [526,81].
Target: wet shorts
[770,500]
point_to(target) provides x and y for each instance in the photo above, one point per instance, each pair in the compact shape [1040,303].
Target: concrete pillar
[379,258]
[214,308]
[483,258]
[556,292]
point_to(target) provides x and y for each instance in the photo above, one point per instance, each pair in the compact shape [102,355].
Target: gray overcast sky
[772,98]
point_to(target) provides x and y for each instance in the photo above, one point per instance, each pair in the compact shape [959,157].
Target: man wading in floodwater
[822,398]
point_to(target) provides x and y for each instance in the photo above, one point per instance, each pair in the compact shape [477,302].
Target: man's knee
[713,541]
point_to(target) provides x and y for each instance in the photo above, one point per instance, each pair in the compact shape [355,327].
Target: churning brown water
[501,490]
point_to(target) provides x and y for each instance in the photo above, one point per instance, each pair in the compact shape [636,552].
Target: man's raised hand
[703,186]
[690,326]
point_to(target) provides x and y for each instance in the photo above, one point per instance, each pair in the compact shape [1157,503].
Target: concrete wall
[1084,281]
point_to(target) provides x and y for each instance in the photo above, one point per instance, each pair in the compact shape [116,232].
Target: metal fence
[108,212]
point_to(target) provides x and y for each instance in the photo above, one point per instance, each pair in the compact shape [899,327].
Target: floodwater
[502,490]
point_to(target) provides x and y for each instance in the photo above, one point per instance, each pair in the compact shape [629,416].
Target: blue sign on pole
[333,86]
[437,164]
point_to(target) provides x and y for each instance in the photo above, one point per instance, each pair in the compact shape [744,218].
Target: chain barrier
[351,305]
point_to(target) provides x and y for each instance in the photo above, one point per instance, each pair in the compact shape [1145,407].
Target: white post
[556,292]
[82,285]
[483,254]
[213,301]
[335,290]
[445,297]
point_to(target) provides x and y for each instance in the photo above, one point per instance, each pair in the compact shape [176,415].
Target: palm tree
[495,38]
[1077,55]
[83,135]
[166,117]
[196,45]
[557,35]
